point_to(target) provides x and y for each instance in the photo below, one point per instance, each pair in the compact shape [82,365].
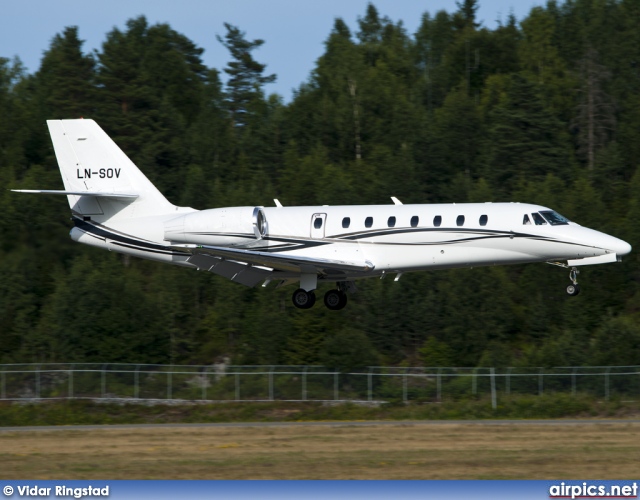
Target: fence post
[70,384]
[404,387]
[204,383]
[507,389]
[370,385]
[271,383]
[335,386]
[4,385]
[136,383]
[237,386]
[541,382]
[169,384]
[439,385]
[304,383]
[104,382]
[573,381]
[474,382]
[494,403]
[38,382]
[606,383]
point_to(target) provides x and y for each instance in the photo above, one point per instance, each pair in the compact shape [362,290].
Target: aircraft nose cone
[616,245]
[622,247]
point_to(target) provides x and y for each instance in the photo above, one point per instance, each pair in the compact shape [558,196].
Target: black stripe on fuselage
[284,242]
[485,233]
[123,240]
[481,234]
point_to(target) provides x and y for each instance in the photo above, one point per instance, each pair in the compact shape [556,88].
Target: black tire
[303,299]
[573,290]
[312,299]
[335,300]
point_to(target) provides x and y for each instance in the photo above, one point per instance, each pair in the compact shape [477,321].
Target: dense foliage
[545,110]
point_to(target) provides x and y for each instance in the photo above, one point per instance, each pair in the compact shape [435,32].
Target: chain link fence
[221,382]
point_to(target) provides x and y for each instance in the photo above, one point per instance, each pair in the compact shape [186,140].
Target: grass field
[398,451]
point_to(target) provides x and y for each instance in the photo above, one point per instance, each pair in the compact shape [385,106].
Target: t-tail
[100,181]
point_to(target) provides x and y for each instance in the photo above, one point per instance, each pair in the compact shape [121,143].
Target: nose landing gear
[574,288]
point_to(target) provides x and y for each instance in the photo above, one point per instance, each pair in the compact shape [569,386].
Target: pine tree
[151,83]
[465,17]
[246,79]
[525,140]
[595,118]
[65,80]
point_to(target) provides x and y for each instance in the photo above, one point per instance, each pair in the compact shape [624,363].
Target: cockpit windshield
[537,218]
[554,218]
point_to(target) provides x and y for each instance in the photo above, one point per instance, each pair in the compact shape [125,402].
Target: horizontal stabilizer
[77,193]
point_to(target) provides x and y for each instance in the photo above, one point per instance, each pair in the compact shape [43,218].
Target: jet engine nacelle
[218,226]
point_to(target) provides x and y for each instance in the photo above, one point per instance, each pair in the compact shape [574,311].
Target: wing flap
[239,272]
[283,261]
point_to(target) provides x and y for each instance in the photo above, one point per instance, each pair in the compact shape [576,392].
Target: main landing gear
[303,299]
[333,299]
[574,288]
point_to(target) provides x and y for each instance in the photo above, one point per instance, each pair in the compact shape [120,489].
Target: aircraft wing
[249,267]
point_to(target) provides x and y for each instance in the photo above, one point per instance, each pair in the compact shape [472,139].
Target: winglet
[396,201]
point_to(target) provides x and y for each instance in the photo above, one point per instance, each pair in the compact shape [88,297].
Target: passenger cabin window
[460,220]
[368,222]
[538,219]
[554,218]
[317,223]
[391,222]
[526,221]
[346,222]
[414,221]
[437,220]
[483,220]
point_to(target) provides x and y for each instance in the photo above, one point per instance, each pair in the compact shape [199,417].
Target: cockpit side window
[538,219]
[526,220]
[554,218]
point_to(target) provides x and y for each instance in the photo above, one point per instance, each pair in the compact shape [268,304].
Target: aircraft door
[317,225]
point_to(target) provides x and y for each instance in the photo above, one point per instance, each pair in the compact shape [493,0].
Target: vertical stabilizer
[91,162]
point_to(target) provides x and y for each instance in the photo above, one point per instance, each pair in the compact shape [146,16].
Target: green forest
[542,110]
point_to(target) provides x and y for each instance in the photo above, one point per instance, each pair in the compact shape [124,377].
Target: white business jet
[115,207]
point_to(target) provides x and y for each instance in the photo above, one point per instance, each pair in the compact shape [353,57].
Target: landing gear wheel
[303,299]
[335,300]
[573,290]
